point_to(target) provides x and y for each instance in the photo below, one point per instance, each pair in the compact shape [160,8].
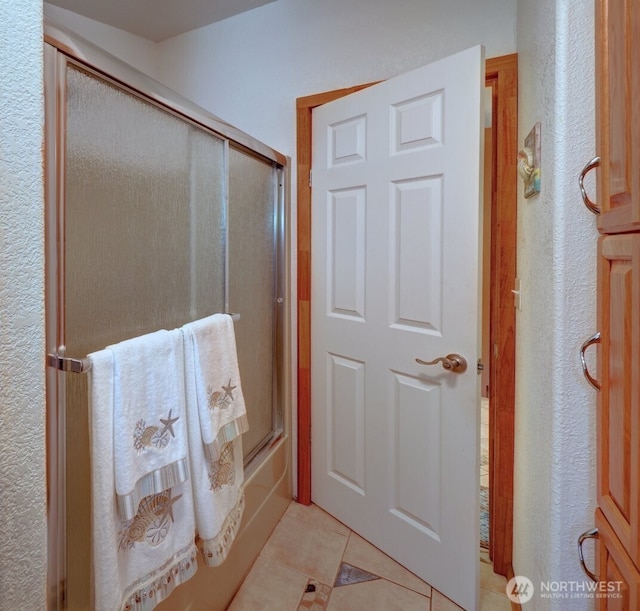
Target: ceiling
[158,19]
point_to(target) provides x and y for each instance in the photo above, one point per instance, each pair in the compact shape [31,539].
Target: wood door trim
[502,77]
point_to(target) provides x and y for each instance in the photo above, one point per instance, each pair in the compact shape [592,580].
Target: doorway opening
[501,79]
[485,369]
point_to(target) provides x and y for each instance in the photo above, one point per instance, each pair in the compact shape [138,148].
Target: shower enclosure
[157,214]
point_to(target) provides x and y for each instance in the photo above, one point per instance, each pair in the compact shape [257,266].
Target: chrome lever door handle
[455,363]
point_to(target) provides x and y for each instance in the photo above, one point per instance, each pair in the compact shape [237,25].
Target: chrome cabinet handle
[594,339]
[590,534]
[455,363]
[594,163]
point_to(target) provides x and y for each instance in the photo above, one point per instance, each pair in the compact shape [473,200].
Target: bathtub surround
[165,211]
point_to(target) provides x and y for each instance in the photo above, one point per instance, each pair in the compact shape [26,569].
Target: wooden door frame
[502,77]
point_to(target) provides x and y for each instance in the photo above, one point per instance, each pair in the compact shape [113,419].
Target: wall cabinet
[618,419]
[619,587]
[618,428]
[618,114]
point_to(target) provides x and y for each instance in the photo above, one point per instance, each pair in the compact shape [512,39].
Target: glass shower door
[159,222]
[253,290]
[143,249]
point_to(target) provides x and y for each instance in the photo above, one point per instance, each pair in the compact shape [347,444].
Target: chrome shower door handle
[593,207]
[455,363]
[594,339]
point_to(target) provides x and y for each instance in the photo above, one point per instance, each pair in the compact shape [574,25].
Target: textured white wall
[23,541]
[136,51]
[250,69]
[555,408]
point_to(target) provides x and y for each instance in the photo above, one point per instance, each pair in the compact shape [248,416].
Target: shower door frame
[62,48]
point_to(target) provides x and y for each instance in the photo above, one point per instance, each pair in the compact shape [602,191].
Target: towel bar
[64,363]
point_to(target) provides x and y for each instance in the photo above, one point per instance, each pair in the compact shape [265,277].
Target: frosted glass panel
[144,227]
[144,250]
[251,286]
[147,246]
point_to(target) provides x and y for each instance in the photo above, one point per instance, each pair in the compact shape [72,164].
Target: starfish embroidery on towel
[218,399]
[166,504]
[228,390]
[146,436]
[168,423]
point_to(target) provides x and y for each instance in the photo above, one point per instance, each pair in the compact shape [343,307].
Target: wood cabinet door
[619,581]
[618,419]
[618,113]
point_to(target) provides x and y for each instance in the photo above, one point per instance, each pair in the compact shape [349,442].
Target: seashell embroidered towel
[217,418]
[143,520]
[150,439]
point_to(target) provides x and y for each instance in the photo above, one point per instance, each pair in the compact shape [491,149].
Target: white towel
[149,417]
[217,418]
[136,562]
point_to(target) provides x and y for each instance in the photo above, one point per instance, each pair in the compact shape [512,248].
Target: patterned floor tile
[348,574]
[315,597]
[362,554]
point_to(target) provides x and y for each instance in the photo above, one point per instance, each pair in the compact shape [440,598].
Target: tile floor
[312,561]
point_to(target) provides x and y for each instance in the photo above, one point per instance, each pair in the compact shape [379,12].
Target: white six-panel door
[395,277]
